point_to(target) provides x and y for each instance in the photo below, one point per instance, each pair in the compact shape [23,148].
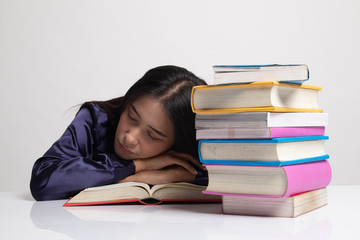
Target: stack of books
[261,137]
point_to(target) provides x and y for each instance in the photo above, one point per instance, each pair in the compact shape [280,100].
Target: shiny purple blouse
[83,157]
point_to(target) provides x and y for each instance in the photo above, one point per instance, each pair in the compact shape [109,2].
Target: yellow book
[255,97]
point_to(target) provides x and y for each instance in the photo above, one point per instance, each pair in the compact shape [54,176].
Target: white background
[57,54]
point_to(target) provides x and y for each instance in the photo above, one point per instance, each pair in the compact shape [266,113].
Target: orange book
[255,97]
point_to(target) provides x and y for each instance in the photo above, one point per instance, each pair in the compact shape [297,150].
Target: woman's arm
[167,168]
[162,176]
[168,175]
[170,158]
[73,162]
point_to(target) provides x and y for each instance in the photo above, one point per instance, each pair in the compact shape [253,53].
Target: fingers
[167,175]
[178,160]
[179,174]
[167,159]
[189,158]
[131,178]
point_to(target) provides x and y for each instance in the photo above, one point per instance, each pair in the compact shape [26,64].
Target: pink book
[267,132]
[296,131]
[299,178]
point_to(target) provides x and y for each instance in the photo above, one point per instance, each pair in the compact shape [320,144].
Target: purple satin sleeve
[202,177]
[74,162]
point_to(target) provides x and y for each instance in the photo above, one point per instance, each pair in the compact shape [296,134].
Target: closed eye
[132,118]
[133,109]
[151,136]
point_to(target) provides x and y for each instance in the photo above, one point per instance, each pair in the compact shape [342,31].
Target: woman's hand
[167,175]
[167,159]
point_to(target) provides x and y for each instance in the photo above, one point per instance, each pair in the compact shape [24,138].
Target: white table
[23,218]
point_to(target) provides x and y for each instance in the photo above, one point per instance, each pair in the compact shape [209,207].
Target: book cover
[255,97]
[294,73]
[136,192]
[266,163]
[266,152]
[268,132]
[254,67]
[265,181]
[146,201]
[260,120]
[292,206]
[272,140]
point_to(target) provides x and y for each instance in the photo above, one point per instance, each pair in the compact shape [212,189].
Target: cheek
[122,125]
[153,149]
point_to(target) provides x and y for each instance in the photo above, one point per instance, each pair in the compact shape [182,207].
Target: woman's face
[144,130]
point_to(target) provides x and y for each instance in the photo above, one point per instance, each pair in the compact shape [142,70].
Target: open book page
[181,190]
[113,192]
[141,192]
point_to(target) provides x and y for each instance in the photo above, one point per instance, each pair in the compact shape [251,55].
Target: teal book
[292,73]
[263,152]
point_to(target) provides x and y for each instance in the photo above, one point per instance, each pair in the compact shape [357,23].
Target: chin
[122,155]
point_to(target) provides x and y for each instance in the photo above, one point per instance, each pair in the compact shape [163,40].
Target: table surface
[23,218]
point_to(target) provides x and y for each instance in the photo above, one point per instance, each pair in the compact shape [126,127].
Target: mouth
[124,149]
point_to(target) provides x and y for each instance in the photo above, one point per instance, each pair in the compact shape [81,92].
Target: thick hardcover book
[135,192]
[263,152]
[295,73]
[267,132]
[292,206]
[260,120]
[255,97]
[265,181]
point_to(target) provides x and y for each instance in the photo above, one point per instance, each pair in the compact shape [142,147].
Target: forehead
[148,104]
[153,113]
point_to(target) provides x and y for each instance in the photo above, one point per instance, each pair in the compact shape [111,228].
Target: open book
[132,192]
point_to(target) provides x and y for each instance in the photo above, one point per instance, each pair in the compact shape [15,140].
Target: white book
[275,207]
[260,120]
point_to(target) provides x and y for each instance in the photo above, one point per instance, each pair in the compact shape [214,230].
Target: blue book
[229,74]
[263,152]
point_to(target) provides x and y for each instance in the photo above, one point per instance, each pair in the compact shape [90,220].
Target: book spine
[269,140]
[277,132]
[192,100]
[254,133]
[242,195]
[306,177]
[254,109]
[263,163]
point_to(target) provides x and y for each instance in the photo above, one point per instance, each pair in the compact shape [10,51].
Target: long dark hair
[171,85]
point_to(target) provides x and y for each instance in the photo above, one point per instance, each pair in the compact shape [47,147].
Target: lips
[124,149]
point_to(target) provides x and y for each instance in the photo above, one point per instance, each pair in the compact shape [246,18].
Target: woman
[146,136]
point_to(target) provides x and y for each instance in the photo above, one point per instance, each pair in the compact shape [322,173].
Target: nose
[131,138]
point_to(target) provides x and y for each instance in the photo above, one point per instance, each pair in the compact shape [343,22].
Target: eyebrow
[154,129]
